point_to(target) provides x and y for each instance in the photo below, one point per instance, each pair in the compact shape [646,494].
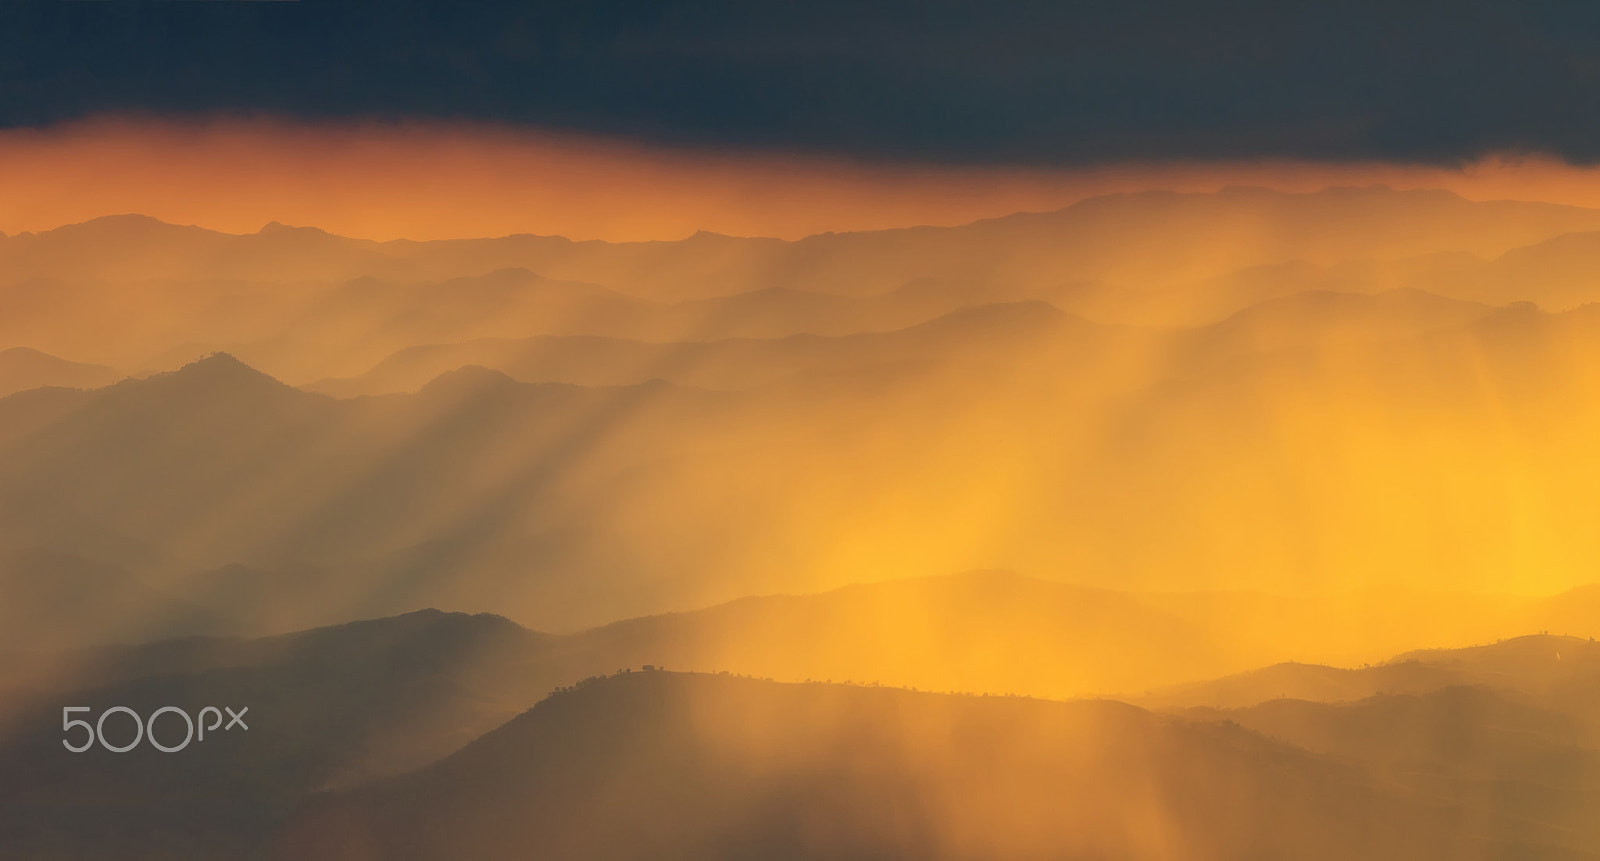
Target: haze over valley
[1164,526]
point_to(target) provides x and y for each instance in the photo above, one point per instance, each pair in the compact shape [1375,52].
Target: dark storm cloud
[994,81]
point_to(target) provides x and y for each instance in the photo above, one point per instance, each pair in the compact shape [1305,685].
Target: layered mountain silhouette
[981,632]
[1305,480]
[1294,443]
[305,305]
[961,336]
[1163,233]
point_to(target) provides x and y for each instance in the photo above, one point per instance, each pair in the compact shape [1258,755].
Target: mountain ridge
[613,749]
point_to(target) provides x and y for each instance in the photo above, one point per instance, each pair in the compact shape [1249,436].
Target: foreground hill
[652,765]
[348,700]
[327,707]
[1496,745]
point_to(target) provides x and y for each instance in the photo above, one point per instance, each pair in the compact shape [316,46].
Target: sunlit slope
[713,767]
[303,304]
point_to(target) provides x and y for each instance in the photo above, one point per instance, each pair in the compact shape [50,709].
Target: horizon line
[274,224]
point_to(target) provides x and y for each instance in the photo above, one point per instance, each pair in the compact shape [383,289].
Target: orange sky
[441,181]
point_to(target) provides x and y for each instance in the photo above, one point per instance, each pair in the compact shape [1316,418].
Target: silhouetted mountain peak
[216,377]
[474,379]
[429,628]
[279,229]
[709,236]
[221,368]
[131,219]
[126,226]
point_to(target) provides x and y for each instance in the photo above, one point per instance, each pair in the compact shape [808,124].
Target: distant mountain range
[1153,391]
[742,363]
[139,295]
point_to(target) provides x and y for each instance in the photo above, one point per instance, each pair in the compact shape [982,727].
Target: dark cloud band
[995,81]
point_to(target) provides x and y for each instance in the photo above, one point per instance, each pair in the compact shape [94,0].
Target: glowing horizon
[422,181]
